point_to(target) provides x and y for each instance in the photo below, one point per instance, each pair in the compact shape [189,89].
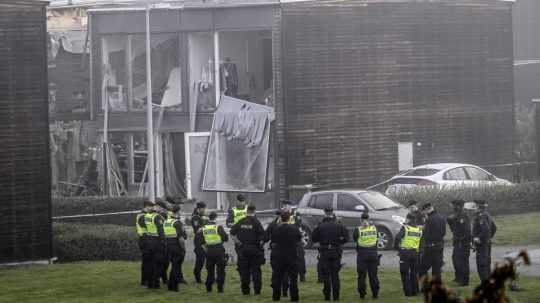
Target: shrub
[97,205]
[94,205]
[84,242]
[519,198]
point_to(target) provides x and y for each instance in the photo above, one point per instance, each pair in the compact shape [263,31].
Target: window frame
[316,196]
[488,175]
[446,174]
[358,201]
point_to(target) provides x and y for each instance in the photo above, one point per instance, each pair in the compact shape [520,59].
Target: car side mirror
[360,208]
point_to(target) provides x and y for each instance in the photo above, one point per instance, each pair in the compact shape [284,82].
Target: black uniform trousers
[200,257]
[284,266]
[145,260]
[175,257]
[250,259]
[215,267]
[367,263]
[155,254]
[330,262]
[460,260]
[301,261]
[408,268]
[432,258]
[483,260]
[301,269]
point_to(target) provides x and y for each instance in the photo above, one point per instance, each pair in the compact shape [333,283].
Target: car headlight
[398,219]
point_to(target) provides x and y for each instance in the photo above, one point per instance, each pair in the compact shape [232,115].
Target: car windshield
[378,201]
[421,172]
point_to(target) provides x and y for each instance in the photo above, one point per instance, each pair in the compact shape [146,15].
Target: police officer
[272,227]
[143,237]
[483,230]
[330,235]
[238,212]
[198,220]
[460,225]
[432,242]
[284,241]
[154,248]
[175,235]
[249,234]
[367,258]
[408,244]
[212,236]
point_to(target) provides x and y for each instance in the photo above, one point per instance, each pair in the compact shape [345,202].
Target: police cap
[212,216]
[200,204]
[240,198]
[148,203]
[364,216]
[251,208]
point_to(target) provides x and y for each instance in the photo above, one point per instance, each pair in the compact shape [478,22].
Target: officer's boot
[302,277]
[208,287]
[220,288]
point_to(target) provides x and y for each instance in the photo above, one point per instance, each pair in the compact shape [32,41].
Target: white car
[441,175]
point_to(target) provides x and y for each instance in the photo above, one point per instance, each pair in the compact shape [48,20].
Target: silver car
[387,215]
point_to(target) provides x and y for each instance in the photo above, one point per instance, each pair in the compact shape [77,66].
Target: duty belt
[329,246]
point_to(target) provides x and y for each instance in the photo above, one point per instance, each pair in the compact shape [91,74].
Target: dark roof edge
[120,8]
[24,2]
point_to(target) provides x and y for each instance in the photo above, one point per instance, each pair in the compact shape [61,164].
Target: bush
[519,198]
[97,205]
[84,242]
[94,205]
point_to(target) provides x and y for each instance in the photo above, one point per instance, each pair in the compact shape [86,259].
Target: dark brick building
[25,228]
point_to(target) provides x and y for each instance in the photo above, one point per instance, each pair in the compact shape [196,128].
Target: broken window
[167,71]
[114,73]
[237,156]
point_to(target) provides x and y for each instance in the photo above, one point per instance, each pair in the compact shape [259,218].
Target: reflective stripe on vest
[367,236]
[151,227]
[239,214]
[141,231]
[412,237]
[211,235]
[169,229]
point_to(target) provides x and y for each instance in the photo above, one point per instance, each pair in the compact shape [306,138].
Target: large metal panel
[25,228]
[358,75]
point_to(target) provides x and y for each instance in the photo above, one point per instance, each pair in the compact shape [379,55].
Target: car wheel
[306,236]
[385,239]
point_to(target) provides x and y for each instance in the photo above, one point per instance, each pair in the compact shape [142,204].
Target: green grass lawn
[521,229]
[518,230]
[118,282]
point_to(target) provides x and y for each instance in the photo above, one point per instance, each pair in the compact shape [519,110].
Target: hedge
[518,198]
[84,242]
[94,205]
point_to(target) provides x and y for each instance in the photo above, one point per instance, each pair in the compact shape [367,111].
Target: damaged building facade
[264,96]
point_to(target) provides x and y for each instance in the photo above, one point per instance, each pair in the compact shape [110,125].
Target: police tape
[261,212]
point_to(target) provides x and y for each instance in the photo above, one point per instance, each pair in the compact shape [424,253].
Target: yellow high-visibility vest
[151,228]
[412,237]
[239,214]
[141,231]
[367,236]
[168,228]
[211,235]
